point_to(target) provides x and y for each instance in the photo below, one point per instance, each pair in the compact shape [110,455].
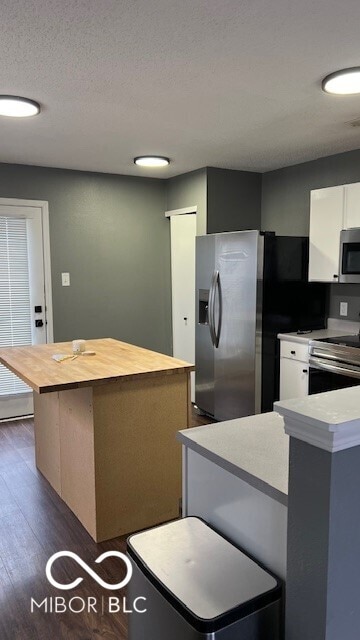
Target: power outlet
[343,308]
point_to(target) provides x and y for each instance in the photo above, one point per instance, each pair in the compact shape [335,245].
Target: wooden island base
[105,430]
[111,453]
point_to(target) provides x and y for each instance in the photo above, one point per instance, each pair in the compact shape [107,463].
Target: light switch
[65,279]
[343,308]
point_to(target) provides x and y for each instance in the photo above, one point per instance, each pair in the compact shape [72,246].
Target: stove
[348,341]
[334,363]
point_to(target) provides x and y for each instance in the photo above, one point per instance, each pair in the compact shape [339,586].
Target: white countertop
[255,449]
[314,335]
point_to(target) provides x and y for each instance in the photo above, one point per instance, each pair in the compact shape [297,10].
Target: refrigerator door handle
[215,285]
[218,287]
[211,310]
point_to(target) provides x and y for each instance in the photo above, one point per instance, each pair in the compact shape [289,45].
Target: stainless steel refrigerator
[249,287]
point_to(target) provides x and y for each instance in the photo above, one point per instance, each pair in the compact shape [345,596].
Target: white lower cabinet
[294,379]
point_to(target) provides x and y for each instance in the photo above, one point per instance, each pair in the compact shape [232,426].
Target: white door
[22,297]
[183,233]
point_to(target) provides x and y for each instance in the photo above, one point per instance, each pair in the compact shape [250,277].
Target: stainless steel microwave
[349,266]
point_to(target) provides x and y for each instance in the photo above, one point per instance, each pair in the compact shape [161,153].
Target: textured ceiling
[226,83]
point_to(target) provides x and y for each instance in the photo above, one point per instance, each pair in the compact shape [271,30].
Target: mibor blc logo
[102,583]
[77,604]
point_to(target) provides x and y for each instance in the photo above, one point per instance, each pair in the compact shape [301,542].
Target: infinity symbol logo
[102,583]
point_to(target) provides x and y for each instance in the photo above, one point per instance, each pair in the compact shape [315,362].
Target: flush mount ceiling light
[17,107]
[343,83]
[151,161]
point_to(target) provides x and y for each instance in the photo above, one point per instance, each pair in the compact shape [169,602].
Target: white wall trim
[331,441]
[329,421]
[181,212]
[43,205]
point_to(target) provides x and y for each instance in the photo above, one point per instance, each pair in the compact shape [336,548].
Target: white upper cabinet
[352,205]
[326,222]
[331,210]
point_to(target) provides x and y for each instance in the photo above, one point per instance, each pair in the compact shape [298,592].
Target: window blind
[15,318]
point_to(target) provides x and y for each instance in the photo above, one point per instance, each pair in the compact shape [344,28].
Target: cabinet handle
[335,275]
[305,371]
[293,353]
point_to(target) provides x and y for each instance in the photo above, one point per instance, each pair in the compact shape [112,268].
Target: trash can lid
[201,573]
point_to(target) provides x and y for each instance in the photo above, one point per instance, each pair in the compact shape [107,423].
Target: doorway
[25,292]
[183,234]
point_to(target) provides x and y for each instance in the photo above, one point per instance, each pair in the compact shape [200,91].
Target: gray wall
[187,190]
[110,233]
[286,207]
[307,541]
[226,200]
[349,293]
[322,586]
[233,200]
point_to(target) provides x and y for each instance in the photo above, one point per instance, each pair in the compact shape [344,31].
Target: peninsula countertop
[255,449]
[113,361]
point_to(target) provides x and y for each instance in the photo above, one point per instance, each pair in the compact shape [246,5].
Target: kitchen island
[105,430]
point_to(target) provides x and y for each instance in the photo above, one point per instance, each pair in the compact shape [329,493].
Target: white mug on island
[78,346]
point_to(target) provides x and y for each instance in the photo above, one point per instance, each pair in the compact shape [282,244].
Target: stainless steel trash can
[199,586]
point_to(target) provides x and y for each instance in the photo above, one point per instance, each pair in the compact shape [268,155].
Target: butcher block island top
[113,361]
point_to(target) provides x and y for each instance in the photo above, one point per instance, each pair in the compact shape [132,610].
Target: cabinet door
[326,222]
[352,205]
[294,379]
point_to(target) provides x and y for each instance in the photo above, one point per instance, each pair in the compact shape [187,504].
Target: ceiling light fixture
[17,107]
[151,161]
[344,83]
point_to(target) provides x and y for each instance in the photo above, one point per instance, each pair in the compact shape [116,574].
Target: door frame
[43,205]
[180,212]
[168,214]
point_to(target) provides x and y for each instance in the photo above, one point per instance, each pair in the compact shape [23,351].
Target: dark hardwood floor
[34,524]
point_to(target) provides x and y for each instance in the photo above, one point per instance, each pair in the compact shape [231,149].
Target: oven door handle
[340,356]
[346,370]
